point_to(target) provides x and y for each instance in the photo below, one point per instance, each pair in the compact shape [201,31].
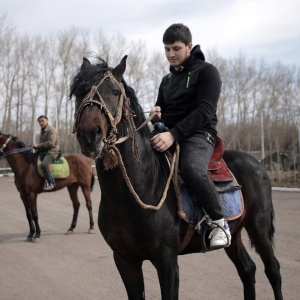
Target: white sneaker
[48,187]
[218,237]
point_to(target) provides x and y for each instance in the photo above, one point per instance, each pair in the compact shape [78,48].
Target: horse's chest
[127,236]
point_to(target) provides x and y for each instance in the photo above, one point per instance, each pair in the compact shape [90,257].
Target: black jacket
[188,97]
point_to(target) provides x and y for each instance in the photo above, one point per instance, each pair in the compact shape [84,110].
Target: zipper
[188,80]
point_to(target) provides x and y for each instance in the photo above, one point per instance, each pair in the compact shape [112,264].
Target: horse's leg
[176,284]
[244,264]
[33,204]
[132,277]
[258,233]
[87,195]
[24,198]
[168,274]
[73,192]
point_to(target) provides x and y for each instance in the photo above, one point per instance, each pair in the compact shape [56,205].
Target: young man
[48,148]
[187,103]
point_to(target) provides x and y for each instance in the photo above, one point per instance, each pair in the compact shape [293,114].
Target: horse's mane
[83,81]
[28,155]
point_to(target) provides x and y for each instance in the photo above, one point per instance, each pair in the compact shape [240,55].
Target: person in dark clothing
[48,148]
[187,104]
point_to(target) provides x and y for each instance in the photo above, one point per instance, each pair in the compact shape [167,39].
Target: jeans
[47,160]
[195,155]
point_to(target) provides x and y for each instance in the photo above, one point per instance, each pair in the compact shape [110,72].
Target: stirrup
[210,226]
[48,186]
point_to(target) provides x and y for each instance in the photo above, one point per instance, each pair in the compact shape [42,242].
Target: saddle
[217,168]
[59,167]
[229,191]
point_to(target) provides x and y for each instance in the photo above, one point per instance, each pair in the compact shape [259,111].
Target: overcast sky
[268,29]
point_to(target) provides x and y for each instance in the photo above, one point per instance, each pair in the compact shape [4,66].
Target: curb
[7,175]
[283,189]
[277,189]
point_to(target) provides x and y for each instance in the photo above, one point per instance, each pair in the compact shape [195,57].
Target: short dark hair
[177,32]
[42,117]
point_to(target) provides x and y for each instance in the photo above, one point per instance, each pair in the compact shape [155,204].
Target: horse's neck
[140,157]
[131,179]
[17,163]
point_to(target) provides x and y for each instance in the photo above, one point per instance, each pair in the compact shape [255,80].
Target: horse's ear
[85,64]
[119,70]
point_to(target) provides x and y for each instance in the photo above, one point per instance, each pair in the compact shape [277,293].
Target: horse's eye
[116,93]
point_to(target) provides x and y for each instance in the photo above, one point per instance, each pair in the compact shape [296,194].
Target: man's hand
[156,110]
[34,146]
[162,141]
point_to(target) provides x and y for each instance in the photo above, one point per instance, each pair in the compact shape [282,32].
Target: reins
[173,171]
[7,153]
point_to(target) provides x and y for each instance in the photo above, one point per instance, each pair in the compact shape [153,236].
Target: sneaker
[220,237]
[48,187]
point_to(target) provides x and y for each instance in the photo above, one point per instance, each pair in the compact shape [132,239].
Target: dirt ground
[81,267]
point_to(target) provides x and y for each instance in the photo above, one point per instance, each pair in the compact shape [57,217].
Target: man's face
[177,53]
[43,122]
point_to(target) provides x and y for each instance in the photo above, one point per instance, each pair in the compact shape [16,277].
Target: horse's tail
[272,213]
[272,227]
[269,218]
[92,181]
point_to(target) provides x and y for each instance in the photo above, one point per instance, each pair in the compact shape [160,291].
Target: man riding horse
[48,148]
[187,104]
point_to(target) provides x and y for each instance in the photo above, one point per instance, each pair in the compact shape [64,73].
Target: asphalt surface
[81,267]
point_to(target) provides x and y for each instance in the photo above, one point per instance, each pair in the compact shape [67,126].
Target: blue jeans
[195,155]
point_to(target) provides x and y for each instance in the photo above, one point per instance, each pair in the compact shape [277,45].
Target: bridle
[5,144]
[122,109]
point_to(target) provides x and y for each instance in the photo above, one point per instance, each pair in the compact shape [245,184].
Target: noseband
[122,109]
[4,145]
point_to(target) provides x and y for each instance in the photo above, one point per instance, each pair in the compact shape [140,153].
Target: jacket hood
[197,52]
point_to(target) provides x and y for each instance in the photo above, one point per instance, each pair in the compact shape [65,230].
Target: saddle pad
[230,199]
[59,168]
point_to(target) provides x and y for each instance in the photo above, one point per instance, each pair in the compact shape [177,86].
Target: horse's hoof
[29,239]
[91,231]
[36,240]
[69,232]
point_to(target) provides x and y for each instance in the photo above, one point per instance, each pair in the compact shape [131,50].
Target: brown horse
[30,183]
[133,219]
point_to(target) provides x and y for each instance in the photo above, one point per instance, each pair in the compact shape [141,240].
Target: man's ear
[190,47]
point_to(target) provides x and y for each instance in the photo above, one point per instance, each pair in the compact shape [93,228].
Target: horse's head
[4,140]
[100,101]
[11,144]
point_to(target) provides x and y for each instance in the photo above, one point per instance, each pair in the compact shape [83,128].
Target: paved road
[80,266]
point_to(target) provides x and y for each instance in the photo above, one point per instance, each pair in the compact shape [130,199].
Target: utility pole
[56,113]
[262,135]
[298,139]
[34,122]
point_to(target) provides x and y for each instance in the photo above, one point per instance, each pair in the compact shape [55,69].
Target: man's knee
[198,172]
[44,165]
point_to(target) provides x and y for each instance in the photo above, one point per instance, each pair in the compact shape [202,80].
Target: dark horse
[30,183]
[132,181]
